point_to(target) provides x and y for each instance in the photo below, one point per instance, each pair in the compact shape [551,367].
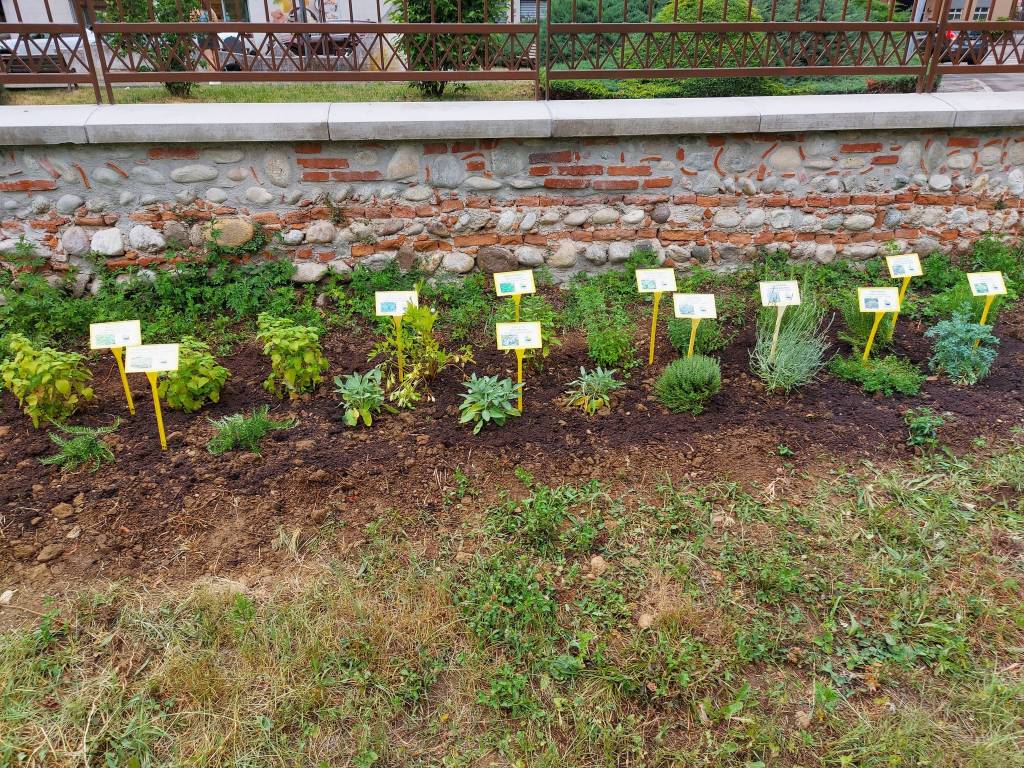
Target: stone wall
[576,204]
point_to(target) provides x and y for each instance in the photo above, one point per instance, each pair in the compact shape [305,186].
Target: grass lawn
[276,92]
[869,616]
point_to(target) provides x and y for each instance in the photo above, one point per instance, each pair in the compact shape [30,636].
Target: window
[234,10]
[955,14]
[980,13]
[530,10]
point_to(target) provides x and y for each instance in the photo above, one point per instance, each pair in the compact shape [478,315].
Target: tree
[436,52]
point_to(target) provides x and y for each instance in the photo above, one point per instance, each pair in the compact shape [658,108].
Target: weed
[468,303]
[964,350]
[297,362]
[24,254]
[887,375]
[592,391]
[241,432]
[688,383]
[800,352]
[488,400]
[49,384]
[362,396]
[84,446]
[509,693]
[198,379]
[922,427]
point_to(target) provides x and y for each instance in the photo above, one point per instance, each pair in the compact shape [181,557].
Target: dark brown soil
[156,516]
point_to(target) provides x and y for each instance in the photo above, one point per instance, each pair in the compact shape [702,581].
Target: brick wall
[574,205]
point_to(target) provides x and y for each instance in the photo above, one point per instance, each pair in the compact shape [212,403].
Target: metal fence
[105,43]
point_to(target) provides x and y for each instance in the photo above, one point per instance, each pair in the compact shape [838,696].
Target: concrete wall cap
[26,126]
[850,112]
[652,117]
[430,121]
[981,110]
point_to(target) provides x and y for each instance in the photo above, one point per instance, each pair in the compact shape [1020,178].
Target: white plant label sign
[904,265]
[695,305]
[518,336]
[124,333]
[779,293]
[656,280]
[151,358]
[514,283]
[878,299]
[395,303]
[987,283]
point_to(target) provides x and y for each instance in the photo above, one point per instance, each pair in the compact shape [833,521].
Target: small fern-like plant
[80,446]
[592,391]
[198,380]
[297,361]
[241,432]
[488,400]
[362,396]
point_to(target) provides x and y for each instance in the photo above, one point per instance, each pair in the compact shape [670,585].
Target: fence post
[938,45]
[544,54]
[79,8]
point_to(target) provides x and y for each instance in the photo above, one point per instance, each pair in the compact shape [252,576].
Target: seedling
[241,432]
[489,399]
[115,337]
[362,396]
[83,446]
[922,427]
[785,451]
[593,389]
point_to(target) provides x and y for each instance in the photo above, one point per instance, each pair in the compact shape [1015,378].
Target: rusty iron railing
[106,43]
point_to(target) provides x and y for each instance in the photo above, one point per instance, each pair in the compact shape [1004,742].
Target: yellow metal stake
[654,326]
[517,299]
[871,336]
[398,345]
[519,375]
[119,356]
[156,407]
[984,313]
[775,337]
[694,322]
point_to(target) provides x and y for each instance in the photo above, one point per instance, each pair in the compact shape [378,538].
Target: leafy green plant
[296,359]
[800,354]
[467,300]
[964,350]
[49,384]
[509,692]
[887,375]
[24,254]
[922,427]
[488,399]
[424,356]
[198,380]
[688,383]
[82,446]
[362,396]
[607,326]
[534,308]
[858,324]
[709,336]
[241,432]
[592,391]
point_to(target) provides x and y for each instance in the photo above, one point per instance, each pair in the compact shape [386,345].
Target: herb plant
[922,427]
[533,308]
[688,383]
[709,336]
[488,399]
[800,354]
[964,350]
[296,358]
[362,396]
[241,432]
[81,446]
[198,380]
[48,383]
[592,391]
[887,375]
[425,357]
